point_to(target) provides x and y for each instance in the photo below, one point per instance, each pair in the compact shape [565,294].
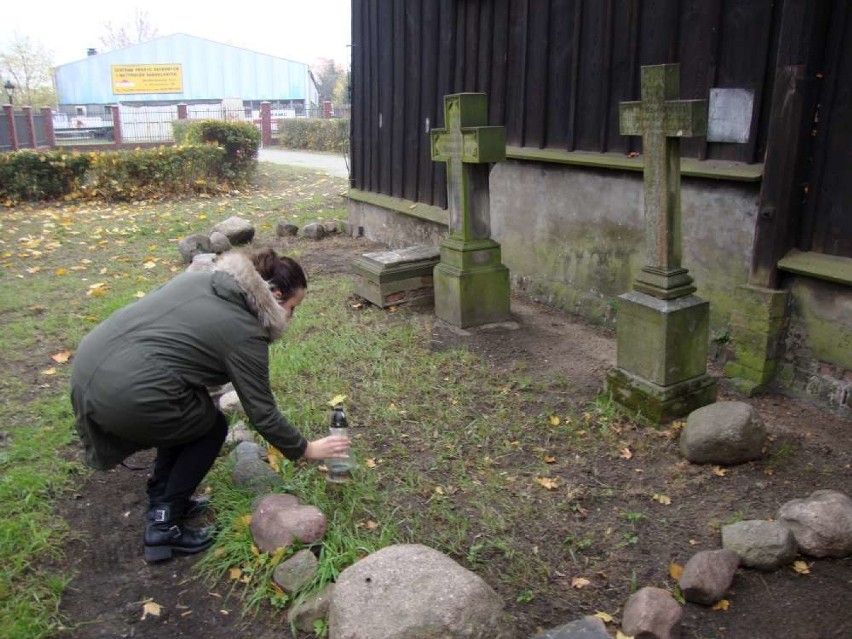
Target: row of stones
[236,231]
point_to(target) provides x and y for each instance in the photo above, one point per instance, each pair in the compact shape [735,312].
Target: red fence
[22,129]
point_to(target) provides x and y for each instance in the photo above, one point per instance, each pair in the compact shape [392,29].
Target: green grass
[33,474]
[51,258]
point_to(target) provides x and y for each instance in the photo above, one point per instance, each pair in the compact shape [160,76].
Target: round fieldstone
[236,229]
[286,229]
[765,545]
[193,245]
[723,433]
[415,592]
[314,231]
[821,524]
[219,242]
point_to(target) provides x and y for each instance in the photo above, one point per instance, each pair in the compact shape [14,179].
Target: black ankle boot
[195,507]
[164,535]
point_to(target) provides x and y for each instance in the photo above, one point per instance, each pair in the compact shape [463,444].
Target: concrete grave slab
[401,276]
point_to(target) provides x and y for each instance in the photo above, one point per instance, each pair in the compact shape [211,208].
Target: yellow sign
[147,78]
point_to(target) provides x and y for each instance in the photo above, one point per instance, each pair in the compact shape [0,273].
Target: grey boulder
[708,575]
[652,613]
[314,231]
[723,433]
[294,573]
[278,520]
[193,245]
[219,242]
[415,592]
[765,545]
[236,229]
[821,524]
[286,229]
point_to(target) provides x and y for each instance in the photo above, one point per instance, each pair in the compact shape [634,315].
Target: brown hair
[281,273]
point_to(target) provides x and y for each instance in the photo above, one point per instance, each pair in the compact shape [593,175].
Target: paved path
[331,163]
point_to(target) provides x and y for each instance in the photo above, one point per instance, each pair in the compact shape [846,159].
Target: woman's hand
[331,446]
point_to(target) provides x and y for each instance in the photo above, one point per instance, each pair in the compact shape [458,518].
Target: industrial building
[181,68]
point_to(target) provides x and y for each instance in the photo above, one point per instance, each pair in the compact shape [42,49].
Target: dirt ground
[812,449]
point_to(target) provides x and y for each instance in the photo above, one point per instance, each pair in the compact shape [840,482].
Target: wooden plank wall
[554,71]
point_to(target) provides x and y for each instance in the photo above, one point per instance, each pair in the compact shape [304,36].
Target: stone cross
[662,120]
[467,145]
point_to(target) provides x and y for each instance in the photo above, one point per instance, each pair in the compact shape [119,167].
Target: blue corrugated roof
[208,71]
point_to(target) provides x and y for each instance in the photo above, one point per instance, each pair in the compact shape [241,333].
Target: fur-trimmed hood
[260,299]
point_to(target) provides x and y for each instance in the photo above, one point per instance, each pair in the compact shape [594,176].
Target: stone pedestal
[471,283]
[757,328]
[393,278]
[662,356]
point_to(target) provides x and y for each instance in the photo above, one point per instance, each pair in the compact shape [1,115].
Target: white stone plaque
[730,115]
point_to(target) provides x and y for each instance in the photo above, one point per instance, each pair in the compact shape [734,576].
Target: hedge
[314,134]
[220,155]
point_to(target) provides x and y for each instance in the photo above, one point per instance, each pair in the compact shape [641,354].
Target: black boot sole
[154,554]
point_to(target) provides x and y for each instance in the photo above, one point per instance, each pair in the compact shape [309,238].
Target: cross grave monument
[663,329]
[471,283]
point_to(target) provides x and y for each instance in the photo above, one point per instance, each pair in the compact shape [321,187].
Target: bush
[36,175]
[180,130]
[241,140]
[217,154]
[314,134]
[151,173]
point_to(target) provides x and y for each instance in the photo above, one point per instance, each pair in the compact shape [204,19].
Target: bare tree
[28,65]
[133,31]
[327,75]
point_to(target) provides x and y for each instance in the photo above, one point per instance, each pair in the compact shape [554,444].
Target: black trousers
[178,470]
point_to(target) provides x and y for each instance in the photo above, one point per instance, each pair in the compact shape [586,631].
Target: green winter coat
[140,378]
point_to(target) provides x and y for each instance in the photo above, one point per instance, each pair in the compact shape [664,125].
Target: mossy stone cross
[662,120]
[467,145]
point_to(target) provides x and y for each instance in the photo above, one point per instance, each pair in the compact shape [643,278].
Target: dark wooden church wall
[554,70]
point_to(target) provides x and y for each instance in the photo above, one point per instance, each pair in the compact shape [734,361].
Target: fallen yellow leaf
[337,399]
[675,571]
[49,371]
[579,582]
[61,272]
[554,420]
[139,294]
[149,265]
[549,459]
[151,608]
[604,616]
[61,358]
[722,604]
[663,499]
[371,463]
[801,567]
[625,453]
[547,482]
[439,490]
[718,470]
[255,550]
[235,573]
[372,525]
[621,635]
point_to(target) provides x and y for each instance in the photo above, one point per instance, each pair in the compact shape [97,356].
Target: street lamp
[10,90]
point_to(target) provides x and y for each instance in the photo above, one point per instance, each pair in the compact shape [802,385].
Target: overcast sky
[301,30]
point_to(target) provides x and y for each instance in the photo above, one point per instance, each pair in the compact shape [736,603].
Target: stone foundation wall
[573,237]
[817,359]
